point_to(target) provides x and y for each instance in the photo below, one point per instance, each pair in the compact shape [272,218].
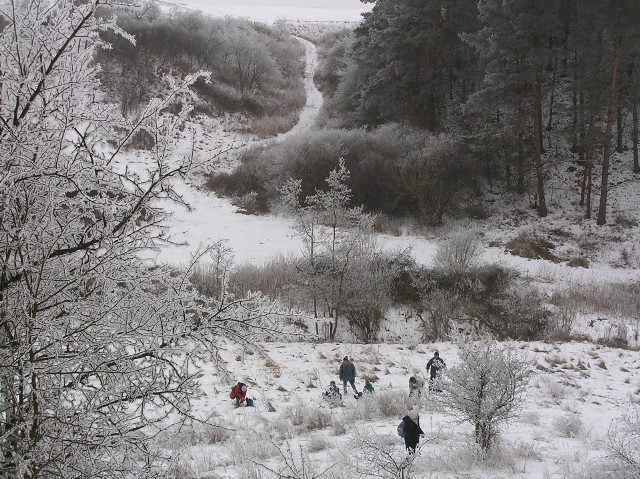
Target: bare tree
[459,253]
[384,456]
[623,443]
[97,348]
[486,388]
[334,235]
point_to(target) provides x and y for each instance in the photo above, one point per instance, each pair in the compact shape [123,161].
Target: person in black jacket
[347,374]
[412,431]
[434,366]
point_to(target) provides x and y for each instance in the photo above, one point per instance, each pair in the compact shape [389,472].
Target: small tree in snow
[459,253]
[623,443]
[334,235]
[486,388]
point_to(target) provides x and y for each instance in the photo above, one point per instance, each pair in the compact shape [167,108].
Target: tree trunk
[537,147]
[634,134]
[636,165]
[553,91]
[619,144]
[507,166]
[583,132]
[574,104]
[589,173]
[520,166]
[604,184]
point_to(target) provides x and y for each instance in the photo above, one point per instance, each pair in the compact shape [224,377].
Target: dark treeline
[518,78]
[517,88]
[517,81]
[256,70]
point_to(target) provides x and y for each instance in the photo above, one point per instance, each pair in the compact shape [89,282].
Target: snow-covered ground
[573,393]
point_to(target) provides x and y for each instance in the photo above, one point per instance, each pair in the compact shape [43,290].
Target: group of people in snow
[409,429]
[347,374]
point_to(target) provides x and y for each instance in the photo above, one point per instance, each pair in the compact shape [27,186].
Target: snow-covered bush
[486,388]
[569,425]
[458,254]
[623,443]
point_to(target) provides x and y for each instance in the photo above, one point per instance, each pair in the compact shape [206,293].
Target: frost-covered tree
[334,235]
[486,388]
[97,348]
[383,456]
[623,444]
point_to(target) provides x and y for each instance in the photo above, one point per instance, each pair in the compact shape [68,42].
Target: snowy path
[253,239]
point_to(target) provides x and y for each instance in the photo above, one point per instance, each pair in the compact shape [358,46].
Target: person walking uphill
[412,430]
[434,366]
[415,387]
[348,374]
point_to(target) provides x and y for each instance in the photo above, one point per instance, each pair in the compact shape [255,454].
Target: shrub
[578,262]
[486,388]
[623,444]
[569,425]
[459,253]
[531,246]
[142,140]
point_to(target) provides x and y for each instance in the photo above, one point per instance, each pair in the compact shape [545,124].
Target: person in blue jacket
[348,374]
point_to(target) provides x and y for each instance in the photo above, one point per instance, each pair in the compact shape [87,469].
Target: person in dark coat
[348,374]
[412,431]
[434,366]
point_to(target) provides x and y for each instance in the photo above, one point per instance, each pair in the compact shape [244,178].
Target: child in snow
[332,395]
[368,387]
[434,366]
[415,387]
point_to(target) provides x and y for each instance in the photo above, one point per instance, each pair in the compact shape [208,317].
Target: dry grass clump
[308,418]
[270,278]
[388,225]
[569,425]
[532,246]
[622,299]
[578,262]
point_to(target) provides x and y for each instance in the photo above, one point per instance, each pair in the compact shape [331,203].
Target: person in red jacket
[239,393]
